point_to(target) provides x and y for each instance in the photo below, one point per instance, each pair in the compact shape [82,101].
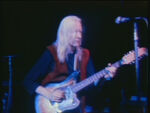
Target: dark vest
[61,68]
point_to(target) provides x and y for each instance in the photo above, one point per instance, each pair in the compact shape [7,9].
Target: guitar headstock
[129,58]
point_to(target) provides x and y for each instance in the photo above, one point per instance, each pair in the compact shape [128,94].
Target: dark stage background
[26,28]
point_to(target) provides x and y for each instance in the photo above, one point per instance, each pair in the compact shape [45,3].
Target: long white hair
[67,24]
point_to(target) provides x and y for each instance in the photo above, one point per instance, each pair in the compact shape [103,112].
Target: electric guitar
[43,105]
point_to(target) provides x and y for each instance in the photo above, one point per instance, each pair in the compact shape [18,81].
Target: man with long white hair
[61,59]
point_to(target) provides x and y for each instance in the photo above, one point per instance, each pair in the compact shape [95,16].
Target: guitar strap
[82,66]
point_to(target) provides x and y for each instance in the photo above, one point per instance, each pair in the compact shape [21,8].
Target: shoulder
[51,49]
[85,52]
[47,53]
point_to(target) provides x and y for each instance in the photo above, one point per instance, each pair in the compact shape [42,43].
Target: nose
[79,34]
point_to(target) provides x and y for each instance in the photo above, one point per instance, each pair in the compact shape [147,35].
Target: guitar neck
[79,86]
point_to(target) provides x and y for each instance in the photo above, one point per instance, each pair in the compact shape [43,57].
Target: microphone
[121,19]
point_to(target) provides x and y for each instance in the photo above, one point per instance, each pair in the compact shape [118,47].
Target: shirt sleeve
[38,71]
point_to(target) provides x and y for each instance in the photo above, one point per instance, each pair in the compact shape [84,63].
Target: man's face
[76,35]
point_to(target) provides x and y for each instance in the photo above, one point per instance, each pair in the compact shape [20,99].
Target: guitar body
[43,105]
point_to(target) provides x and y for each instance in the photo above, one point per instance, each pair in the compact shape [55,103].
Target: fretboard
[80,85]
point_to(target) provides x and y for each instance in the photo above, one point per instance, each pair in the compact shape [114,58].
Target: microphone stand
[136,43]
[10,92]
[140,99]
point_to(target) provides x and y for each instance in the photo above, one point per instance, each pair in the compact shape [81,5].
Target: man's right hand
[56,95]
[53,94]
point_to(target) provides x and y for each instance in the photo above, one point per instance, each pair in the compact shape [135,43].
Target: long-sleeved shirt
[46,64]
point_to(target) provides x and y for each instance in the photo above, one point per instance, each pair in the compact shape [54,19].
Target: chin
[76,45]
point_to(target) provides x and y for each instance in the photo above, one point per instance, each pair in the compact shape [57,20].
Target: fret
[95,78]
[91,78]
